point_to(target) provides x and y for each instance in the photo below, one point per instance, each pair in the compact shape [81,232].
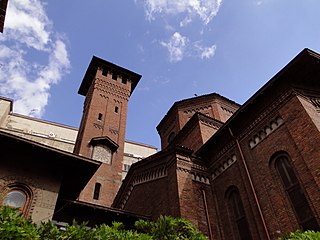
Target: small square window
[126,167]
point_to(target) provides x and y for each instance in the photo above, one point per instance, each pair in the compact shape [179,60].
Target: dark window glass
[239,216]
[126,167]
[295,194]
[100,116]
[116,109]
[105,71]
[96,193]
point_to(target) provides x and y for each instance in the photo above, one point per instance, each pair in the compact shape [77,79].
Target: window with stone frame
[17,196]
[295,193]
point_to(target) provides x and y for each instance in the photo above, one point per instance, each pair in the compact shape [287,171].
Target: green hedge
[300,235]
[15,226]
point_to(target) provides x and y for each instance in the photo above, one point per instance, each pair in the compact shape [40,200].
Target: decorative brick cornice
[210,122]
[111,89]
[227,110]
[222,165]
[267,112]
[198,109]
[97,125]
[143,177]
[199,177]
[261,134]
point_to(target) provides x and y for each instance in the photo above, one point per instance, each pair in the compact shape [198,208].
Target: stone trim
[223,166]
[266,113]
[227,110]
[148,176]
[266,131]
[209,123]
[200,177]
[198,109]
[259,119]
[316,103]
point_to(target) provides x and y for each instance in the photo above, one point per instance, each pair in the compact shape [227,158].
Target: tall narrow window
[124,80]
[114,76]
[105,71]
[116,109]
[100,116]
[96,193]
[239,217]
[295,194]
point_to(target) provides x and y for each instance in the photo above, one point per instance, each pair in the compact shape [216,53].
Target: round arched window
[15,199]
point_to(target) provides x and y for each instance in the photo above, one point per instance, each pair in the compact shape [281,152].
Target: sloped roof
[76,170]
[303,72]
[97,62]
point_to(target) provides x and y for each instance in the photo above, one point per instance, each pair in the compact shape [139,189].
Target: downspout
[207,213]
[251,184]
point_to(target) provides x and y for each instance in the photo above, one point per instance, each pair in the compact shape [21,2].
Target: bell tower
[107,89]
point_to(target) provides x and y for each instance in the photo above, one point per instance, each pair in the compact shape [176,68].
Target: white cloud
[179,46]
[204,9]
[185,21]
[28,32]
[205,52]
[176,46]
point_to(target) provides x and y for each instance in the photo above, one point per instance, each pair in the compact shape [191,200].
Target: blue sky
[180,47]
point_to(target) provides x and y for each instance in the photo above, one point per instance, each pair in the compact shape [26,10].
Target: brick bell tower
[107,88]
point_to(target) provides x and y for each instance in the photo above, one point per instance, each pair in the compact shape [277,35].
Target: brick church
[236,172]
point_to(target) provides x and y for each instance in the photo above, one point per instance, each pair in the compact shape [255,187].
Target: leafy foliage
[300,235]
[14,226]
[169,228]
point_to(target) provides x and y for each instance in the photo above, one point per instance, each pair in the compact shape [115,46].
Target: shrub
[14,226]
[306,235]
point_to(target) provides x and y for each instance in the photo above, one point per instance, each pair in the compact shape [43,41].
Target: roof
[97,62]
[190,101]
[76,170]
[105,141]
[197,118]
[94,214]
[303,72]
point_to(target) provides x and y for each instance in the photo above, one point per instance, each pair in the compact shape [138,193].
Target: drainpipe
[251,184]
[207,213]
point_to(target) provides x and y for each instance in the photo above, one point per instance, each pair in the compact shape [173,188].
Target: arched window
[18,196]
[295,194]
[96,193]
[15,199]
[238,214]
